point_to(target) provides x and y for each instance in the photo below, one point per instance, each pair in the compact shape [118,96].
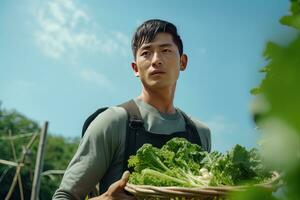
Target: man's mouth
[157,72]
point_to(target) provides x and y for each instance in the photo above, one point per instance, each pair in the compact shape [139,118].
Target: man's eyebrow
[148,46]
[166,45]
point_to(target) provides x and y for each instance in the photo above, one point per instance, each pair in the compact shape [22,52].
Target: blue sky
[61,60]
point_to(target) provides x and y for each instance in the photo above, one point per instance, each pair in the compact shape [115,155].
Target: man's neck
[162,100]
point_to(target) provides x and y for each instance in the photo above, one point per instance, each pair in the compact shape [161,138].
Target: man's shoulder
[109,121]
[112,114]
[203,131]
[199,124]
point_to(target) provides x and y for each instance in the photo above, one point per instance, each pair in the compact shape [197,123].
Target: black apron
[136,136]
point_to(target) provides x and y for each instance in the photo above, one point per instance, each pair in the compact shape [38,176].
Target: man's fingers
[126,175]
[125,178]
[120,184]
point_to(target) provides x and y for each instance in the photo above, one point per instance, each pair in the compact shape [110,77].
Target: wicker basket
[146,192]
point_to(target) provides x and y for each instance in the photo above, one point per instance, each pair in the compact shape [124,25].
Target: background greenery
[58,153]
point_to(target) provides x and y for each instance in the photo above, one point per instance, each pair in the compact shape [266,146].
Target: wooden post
[39,164]
[16,160]
[19,165]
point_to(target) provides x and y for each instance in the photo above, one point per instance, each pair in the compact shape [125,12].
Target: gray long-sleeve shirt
[101,150]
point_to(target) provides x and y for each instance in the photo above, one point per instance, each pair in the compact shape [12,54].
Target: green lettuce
[181,163]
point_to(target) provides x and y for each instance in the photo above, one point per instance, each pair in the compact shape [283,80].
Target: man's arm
[93,157]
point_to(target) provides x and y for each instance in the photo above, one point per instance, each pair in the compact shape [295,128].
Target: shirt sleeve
[94,155]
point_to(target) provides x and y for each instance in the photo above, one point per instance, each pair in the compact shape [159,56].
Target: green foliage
[254,193]
[186,154]
[293,182]
[294,19]
[238,167]
[17,124]
[280,87]
[58,153]
[280,93]
[181,163]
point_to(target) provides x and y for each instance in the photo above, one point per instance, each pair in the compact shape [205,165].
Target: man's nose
[156,59]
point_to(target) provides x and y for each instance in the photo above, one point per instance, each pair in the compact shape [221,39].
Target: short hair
[146,33]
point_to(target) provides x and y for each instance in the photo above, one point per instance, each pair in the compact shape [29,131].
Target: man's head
[158,54]
[146,33]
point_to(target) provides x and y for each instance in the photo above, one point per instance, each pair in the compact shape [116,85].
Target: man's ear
[135,69]
[183,62]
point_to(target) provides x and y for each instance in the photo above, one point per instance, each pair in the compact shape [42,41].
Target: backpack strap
[192,130]
[134,124]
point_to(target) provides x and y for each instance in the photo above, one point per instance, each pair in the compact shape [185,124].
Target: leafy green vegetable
[238,166]
[173,164]
[181,163]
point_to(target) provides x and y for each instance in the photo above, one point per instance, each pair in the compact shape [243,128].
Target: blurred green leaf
[294,19]
[253,194]
[278,109]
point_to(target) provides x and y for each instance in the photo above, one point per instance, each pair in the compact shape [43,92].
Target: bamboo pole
[12,187]
[17,136]
[53,171]
[6,162]
[39,164]
[15,158]
[20,164]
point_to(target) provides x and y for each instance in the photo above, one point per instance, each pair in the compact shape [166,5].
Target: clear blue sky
[61,60]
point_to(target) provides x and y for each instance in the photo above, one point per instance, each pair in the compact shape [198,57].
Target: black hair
[146,33]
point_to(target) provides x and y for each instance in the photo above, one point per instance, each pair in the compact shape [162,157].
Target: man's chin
[159,85]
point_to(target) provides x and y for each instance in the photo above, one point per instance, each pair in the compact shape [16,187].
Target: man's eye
[166,50]
[145,53]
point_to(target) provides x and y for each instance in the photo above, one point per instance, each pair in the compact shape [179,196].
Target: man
[158,60]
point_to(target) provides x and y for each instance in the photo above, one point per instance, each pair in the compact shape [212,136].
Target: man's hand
[116,190]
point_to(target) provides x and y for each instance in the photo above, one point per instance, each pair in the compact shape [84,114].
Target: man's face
[158,63]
